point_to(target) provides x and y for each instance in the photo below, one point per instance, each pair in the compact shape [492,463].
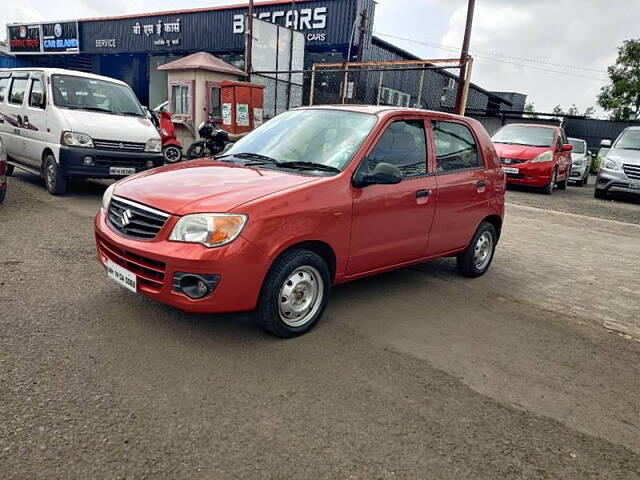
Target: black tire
[579,183]
[467,264]
[600,194]
[10,169]
[548,190]
[171,154]
[198,150]
[3,193]
[55,182]
[268,312]
[563,184]
[585,181]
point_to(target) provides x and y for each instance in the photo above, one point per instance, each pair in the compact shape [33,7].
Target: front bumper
[530,174]
[240,265]
[578,172]
[72,162]
[611,181]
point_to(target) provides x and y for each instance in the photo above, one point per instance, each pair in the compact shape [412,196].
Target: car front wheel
[294,294]
[552,183]
[476,259]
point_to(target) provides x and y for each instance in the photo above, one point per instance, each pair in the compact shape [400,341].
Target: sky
[555,51]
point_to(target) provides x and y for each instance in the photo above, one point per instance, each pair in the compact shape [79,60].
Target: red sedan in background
[534,155]
[313,198]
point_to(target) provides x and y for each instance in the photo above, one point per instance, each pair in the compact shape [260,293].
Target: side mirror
[383,174]
[567,147]
[37,100]
[605,143]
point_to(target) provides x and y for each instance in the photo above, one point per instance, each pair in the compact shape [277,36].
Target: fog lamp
[149,163]
[87,160]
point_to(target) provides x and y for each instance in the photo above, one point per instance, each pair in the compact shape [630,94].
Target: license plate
[122,276]
[510,170]
[122,171]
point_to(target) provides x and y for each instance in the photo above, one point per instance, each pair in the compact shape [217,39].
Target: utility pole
[248,60]
[464,58]
[363,32]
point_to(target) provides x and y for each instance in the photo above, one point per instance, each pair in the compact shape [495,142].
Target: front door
[463,187]
[391,223]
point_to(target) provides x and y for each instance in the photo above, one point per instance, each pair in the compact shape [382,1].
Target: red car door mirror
[567,147]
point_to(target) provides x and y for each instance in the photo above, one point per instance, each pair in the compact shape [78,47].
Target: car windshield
[80,93]
[326,137]
[629,140]
[532,136]
[578,146]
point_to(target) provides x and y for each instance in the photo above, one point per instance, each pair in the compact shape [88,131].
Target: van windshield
[532,136]
[78,93]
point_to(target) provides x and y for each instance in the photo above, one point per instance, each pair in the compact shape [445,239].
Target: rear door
[463,186]
[13,114]
[34,121]
[391,223]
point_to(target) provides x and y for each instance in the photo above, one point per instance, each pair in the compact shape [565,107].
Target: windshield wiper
[261,159]
[91,109]
[310,166]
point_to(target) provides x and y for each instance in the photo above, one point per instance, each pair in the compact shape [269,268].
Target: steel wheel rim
[51,174]
[483,251]
[172,154]
[301,296]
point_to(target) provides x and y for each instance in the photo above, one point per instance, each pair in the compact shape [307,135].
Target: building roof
[202,61]
[410,56]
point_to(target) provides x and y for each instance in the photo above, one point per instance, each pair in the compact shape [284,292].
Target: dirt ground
[532,371]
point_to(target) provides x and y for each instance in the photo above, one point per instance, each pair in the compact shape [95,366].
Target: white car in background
[580,162]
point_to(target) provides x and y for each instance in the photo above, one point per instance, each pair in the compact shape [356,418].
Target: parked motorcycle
[214,140]
[171,147]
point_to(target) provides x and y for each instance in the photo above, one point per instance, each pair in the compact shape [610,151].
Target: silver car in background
[580,162]
[620,170]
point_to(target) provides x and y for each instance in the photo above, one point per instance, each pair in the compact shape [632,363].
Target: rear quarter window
[4,86]
[18,87]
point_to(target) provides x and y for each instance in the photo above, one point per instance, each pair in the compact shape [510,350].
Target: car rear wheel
[294,294]
[55,182]
[3,193]
[563,185]
[552,183]
[477,258]
[10,169]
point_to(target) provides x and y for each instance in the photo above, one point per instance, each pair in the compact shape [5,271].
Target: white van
[61,123]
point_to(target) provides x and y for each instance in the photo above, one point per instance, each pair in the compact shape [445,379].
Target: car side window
[4,85]
[403,145]
[18,87]
[456,147]
[36,97]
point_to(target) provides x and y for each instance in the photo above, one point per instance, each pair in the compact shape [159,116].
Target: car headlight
[154,145]
[611,165]
[74,139]
[106,197]
[209,229]
[543,157]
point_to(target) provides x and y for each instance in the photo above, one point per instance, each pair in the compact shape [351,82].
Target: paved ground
[532,371]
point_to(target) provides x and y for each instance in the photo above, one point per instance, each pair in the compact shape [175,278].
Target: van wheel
[477,258]
[294,294]
[55,182]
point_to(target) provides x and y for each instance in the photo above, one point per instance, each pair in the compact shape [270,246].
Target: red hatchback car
[534,155]
[313,198]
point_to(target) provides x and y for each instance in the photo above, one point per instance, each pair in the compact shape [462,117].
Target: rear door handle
[422,193]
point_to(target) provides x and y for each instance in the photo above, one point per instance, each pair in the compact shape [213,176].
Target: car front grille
[511,161]
[149,273]
[632,171]
[119,146]
[134,220]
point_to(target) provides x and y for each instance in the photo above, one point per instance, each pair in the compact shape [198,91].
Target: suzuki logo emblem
[126,217]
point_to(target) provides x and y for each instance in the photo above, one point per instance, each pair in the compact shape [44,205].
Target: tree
[588,113]
[622,96]
[573,110]
[530,107]
[557,110]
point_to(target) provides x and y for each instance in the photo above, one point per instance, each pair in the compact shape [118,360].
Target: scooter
[171,147]
[214,140]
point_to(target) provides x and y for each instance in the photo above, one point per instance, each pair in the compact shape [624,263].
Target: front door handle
[422,193]
[481,186]
[25,122]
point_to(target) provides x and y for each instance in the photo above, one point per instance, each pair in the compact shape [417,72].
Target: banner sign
[24,38]
[60,37]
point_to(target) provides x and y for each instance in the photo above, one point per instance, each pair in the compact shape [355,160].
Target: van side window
[4,85]
[456,148]
[403,145]
[36,97]
[18,87]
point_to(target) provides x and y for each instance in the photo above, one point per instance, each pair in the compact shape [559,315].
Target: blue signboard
[60,37]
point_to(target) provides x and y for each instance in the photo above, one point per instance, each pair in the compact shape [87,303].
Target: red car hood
[522,152]
[203,186]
